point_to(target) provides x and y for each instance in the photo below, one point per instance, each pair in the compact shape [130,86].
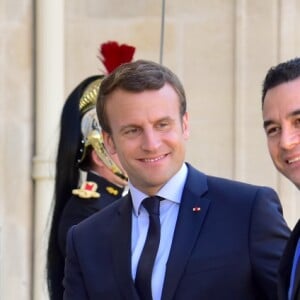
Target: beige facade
[220,49]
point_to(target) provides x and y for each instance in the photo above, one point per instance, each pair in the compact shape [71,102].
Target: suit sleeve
[268,234]
[73,281]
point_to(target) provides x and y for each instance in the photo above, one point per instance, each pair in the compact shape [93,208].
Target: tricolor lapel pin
[196,209]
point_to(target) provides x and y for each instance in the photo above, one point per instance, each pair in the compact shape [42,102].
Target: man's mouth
[152,160]
[293,160]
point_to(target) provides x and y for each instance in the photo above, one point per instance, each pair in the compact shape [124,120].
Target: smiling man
[179,234]
[281,115]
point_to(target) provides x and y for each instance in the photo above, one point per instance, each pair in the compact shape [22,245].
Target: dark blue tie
[296,264]
[146,261]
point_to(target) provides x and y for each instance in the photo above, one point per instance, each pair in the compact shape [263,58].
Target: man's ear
[108,142]
[185,126]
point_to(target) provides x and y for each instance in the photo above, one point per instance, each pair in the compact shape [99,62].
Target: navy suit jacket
[228,250]
[286,267]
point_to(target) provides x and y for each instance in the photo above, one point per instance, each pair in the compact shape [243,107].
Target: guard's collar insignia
[111,190]
[87,190]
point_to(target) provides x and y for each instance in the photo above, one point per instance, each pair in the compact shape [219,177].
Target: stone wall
[221,51]
[16,144]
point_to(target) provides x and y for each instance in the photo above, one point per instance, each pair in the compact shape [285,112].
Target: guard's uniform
[93,195]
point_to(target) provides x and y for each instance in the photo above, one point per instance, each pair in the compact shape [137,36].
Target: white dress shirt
[172,193]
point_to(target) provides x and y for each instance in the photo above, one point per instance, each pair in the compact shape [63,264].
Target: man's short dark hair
[283,72]
[137,77]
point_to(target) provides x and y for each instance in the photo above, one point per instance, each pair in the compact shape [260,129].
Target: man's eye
[271,131]
[131,131]
[163,125]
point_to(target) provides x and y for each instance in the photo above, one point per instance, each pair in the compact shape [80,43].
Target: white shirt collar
[171,191]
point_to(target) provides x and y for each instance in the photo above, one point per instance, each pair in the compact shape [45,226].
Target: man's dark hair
[136,77]
[283,72]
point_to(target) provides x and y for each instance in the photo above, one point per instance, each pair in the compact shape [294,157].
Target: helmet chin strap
[92,137]
[95,140]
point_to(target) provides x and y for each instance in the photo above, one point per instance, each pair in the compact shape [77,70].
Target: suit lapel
[285,266]
[284,275]
[193,209]
[296,289]
[121,249]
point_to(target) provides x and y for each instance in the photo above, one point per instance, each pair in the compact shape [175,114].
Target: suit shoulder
[102,216]
[241,192]
[230,183]
[224,186]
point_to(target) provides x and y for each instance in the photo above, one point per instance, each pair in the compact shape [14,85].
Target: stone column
[49,94]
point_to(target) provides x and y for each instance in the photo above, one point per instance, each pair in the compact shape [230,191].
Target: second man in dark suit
[281,115]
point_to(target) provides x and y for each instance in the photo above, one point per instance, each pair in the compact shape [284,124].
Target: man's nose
[151,140]
[289,138]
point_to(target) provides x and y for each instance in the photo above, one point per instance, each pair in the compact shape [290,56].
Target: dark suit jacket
[286,267]
[229,250]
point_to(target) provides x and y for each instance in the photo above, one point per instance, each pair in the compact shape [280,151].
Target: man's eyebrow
[267,123]
[292,114]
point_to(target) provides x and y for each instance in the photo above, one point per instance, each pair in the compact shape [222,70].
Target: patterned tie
[296,264]
[146,261]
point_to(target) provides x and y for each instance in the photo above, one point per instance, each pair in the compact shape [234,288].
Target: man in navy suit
[281,115]
[219,239]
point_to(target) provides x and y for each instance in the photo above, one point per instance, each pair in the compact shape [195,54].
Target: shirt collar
[171,191]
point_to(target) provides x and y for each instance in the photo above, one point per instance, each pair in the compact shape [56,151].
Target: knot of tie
[152,205]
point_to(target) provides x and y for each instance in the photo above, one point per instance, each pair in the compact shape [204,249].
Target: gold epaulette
[111,190]
[87,190]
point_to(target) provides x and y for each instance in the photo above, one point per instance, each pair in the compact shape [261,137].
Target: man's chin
[294,179]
